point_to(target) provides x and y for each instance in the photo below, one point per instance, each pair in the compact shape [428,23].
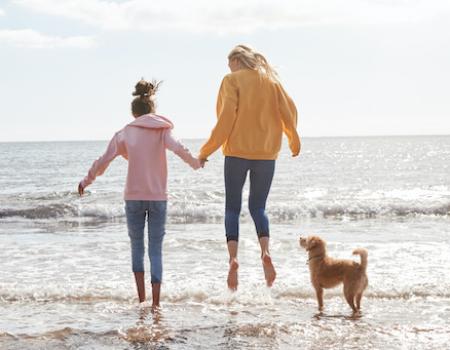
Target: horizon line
[198,139]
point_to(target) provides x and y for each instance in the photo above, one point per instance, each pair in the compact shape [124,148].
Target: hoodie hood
[152,121]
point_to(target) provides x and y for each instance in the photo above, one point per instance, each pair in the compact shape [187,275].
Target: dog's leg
[319,295]
[361,291]
[349,296]
[358,301]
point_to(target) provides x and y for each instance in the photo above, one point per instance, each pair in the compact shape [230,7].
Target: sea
[65,267]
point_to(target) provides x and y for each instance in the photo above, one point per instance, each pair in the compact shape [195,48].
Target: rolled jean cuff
[232,237]
[263,234]
[155,279]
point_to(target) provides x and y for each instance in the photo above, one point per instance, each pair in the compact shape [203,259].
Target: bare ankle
[232,260]
[265,257]
[140,286]
[265,252]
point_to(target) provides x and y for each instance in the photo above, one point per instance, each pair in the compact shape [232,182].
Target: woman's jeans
[261,175]
[155,212]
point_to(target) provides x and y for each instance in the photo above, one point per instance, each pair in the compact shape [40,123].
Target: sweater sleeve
[115,147]
[227,105]
[180,150]
[288,113]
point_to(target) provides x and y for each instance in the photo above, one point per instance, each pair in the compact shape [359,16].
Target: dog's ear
[312,242]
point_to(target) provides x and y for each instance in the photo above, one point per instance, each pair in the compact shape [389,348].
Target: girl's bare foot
[232,279]
[156,309]
[269,270]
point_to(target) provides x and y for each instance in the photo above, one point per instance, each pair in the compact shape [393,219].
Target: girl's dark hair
[144,103]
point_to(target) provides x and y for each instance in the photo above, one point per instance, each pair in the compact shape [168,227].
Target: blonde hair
[251,59]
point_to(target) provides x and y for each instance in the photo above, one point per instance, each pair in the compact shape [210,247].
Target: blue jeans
[155,212]
[261,175]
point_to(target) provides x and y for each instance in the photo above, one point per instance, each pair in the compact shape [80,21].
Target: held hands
[199,163]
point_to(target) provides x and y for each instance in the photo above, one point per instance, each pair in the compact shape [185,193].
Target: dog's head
[313,244]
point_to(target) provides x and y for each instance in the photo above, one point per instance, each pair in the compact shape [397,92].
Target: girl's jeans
[155,212]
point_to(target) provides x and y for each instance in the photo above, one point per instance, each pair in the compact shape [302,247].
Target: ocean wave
[181,212]
[217,298]
[55,297]
[49,211]
[144,333]
[7,335]
[389,295]
[59,334]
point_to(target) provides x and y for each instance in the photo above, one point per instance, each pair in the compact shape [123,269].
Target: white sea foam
[283,212]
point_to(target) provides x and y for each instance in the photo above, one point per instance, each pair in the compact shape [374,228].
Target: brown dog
[327,272]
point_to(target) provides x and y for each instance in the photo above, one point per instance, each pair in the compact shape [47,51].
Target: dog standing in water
[327,272]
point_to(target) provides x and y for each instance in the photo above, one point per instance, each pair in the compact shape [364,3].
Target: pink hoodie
[143,142]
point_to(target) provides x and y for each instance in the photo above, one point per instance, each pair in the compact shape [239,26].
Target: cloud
[230,16]
[29,38]
[2,13]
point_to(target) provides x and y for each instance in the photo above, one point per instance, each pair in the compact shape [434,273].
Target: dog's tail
[363,254]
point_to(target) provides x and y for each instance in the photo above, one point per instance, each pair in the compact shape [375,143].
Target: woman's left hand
[202,162]
[299,149]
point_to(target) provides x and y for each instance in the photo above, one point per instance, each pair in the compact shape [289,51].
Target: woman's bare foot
[232,279]
[269,270]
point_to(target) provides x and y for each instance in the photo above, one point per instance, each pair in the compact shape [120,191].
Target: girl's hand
[80,189]
[202,162]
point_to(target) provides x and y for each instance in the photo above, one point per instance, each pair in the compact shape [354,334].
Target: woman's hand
[80,189]
[299,149]
[202,162]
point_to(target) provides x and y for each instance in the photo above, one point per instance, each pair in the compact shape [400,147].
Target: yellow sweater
[252,114]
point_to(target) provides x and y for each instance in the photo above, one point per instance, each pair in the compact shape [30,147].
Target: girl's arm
[116,147]
[180,150]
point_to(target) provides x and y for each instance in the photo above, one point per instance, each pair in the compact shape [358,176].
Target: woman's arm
[227,104]
[288,113]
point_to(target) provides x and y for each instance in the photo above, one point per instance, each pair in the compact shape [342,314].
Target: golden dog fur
[327,272]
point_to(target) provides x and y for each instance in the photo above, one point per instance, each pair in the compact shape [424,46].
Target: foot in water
[269,270]
[232,279]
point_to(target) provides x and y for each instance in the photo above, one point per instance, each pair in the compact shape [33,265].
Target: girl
[143,143]
[253,111]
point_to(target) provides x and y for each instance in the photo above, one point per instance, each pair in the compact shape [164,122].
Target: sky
[353,67]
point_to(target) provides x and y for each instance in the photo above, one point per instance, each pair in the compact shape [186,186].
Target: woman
[253,111]
[143,143]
